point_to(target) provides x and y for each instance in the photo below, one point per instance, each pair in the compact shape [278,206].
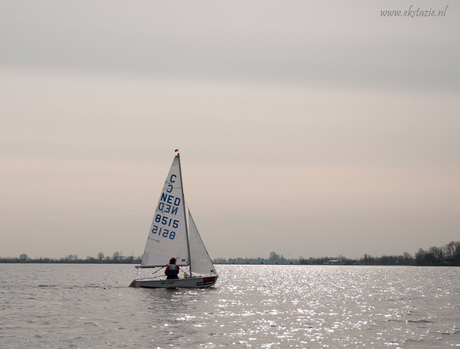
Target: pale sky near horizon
[308,128]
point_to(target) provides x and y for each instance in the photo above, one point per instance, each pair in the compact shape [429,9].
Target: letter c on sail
[171,179]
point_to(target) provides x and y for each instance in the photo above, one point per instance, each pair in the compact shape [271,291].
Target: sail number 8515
[165,221]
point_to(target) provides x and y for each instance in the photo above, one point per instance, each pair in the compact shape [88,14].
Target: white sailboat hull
[190,282]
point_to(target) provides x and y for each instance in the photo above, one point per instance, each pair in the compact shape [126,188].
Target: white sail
[200,261]
[168,235]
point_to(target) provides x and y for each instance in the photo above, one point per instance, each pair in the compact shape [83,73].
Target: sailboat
[173,234]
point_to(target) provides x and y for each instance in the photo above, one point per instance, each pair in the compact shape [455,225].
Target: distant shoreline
[254,264]
[217,263]
[448,255]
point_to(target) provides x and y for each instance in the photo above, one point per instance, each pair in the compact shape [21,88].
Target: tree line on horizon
[274,258]
[447,255]
[100,258]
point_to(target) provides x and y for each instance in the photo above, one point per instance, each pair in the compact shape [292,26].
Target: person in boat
[172,270]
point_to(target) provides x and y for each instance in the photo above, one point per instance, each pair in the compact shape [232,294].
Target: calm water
[90,306]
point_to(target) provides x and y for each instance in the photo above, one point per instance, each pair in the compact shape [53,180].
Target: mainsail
[168,233]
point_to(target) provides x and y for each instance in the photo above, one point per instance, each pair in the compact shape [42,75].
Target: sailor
[172,270]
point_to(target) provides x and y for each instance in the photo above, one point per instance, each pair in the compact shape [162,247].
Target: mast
[185,215]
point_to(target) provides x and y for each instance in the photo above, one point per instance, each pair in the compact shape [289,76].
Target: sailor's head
[172,261]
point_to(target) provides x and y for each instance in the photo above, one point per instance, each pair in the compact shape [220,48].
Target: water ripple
[252,306]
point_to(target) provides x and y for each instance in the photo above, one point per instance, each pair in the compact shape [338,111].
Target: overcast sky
[308,128]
